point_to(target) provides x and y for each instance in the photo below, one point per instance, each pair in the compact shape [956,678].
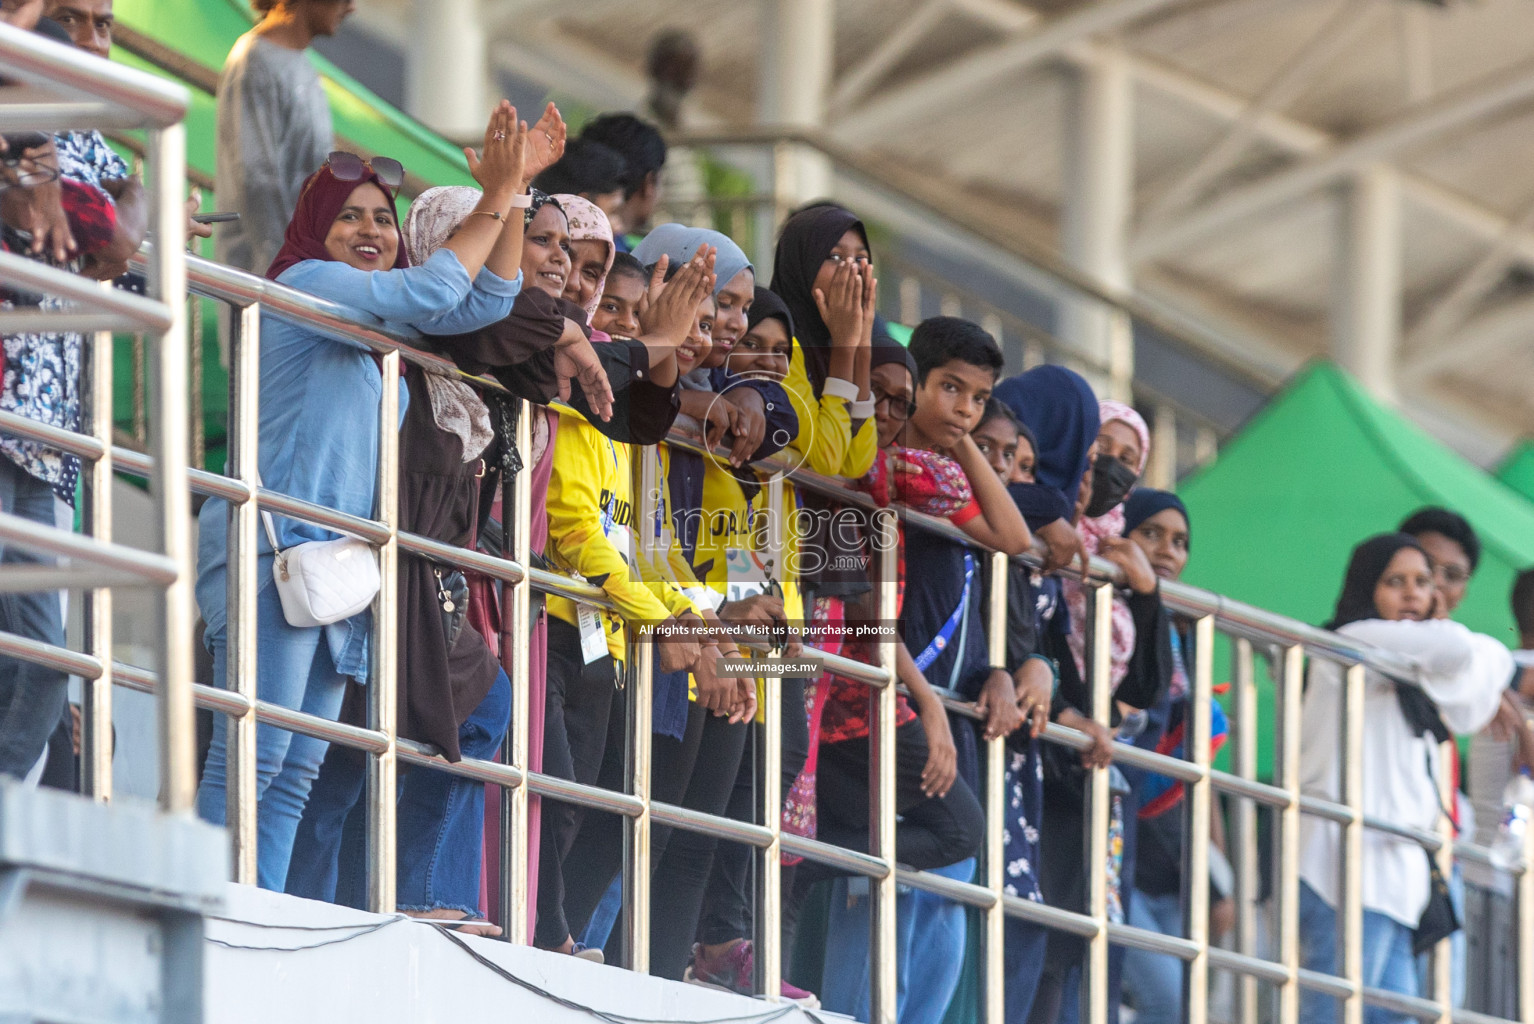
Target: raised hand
[501,168]
[841,305]
[673,306]
[545,141]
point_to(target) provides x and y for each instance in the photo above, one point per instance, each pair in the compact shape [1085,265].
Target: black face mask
[1111,482]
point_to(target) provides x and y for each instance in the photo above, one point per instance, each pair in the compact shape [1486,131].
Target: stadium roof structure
[1306,177]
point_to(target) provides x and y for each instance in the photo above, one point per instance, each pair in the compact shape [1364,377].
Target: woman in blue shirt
[319,435]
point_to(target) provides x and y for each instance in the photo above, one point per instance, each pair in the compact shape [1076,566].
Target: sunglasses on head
[351,167]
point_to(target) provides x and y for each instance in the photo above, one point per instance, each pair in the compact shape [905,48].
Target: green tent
[1517,470]
[1320,468]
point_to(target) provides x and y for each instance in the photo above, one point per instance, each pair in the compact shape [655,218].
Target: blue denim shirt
[319,411]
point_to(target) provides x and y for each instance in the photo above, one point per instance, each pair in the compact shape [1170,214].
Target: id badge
[593,636]
[746,574]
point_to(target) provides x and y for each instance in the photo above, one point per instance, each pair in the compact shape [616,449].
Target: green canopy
[1320,468]
[1517,470]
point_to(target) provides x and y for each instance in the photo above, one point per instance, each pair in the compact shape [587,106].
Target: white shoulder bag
[323,581]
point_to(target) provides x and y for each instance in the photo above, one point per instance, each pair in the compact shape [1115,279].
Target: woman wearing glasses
[319,434]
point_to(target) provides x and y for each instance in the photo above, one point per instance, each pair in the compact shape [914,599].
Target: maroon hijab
[321,201]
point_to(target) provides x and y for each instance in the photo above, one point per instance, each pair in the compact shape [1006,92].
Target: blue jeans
[1388,962]
[1153,981]
[32,697]
[293,669]
[439,830]
[1024,956]
[929,941]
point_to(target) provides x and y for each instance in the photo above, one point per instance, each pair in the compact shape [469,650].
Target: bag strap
[266,520]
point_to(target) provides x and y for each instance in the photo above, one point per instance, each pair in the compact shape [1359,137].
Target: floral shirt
[42,371]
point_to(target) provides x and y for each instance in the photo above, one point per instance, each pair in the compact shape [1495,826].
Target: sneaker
[732,971]
[588,953]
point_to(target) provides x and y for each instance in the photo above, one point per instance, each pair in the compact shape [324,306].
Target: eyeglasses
[900,408]
[351,167]
[1451,575]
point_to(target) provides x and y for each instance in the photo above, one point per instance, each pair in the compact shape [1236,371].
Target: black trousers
[575,729]
[726,911]
[934,831]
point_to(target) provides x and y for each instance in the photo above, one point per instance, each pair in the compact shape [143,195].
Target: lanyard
[939,643]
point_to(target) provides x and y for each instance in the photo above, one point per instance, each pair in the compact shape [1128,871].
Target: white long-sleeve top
[1464,673]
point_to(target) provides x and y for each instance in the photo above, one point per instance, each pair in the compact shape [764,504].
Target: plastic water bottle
[1517,806]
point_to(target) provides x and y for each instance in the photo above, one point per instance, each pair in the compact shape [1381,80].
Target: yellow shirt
[826,443]
[592,533]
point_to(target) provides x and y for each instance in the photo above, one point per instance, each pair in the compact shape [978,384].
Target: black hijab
[806,241]
[765,305]
[1365,567]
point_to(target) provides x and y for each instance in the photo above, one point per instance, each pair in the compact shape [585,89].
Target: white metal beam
[1472,286]
[1302,139]
[1336,33]
[1487,335]
[954,80]
[868,72]
[1478,100]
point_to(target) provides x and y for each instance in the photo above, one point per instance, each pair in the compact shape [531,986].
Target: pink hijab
[588,223]
[1093,533]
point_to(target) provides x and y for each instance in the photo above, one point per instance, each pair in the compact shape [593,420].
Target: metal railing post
[769,916]
[1525,930]
[1200,799]
[1243,830]
[1099,797]
[383,681]
[1286,857]
[515,817]
[1441,962]
[1351,910]
[96,710]
[882,945]
[244,579]
[166,148]
[636,847]
[995,970]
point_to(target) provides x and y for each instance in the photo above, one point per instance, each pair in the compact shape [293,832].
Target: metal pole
[166,148]
[96,727]
[516,603]
[769,916]
[1243,831]
[244,580]
[1351,911]
[797,65]
[995,972]
[1099,167]
[1287,855]
[1525,930]
[1442,960]
[1367,314]
[1199,796]
[881,783]
[636,882]
[383,681]
[1099,665]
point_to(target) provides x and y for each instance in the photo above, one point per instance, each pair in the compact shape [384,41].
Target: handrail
[150,102]
[345,323]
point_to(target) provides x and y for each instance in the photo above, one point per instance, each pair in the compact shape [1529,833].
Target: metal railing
[71,90]
[239,701]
